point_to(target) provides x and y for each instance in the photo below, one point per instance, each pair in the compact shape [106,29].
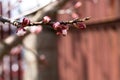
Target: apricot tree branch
[7,44]
[60,27]
[18,24]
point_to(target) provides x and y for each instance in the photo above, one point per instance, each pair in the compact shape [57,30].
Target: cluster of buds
[57,26]
[22,30]
[61,28]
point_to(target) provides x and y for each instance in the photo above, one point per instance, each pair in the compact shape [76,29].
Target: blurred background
[89,54]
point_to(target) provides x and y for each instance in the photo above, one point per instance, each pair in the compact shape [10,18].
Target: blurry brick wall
[92,54]
[98,10]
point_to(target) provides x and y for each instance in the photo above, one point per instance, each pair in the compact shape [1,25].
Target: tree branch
[7,44]
[60,27]
[18,24]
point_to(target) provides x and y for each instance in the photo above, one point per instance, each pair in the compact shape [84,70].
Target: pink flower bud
[42,57]
[56,25]
[58,33]
[65,27]
[60,28]
[16,50]
[46,19]
[78,4]
[64,32]
[80,25]
[43,60]
[36,29]
[21,32]
[61,31]
[75,15]
[25,22]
